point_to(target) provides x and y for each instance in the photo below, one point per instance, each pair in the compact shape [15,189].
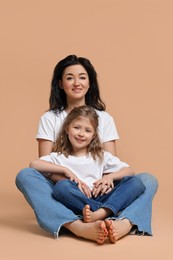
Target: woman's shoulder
[53,115]
[105,117]
[103,113]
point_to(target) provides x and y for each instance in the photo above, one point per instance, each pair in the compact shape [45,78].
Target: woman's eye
[69,78]
[83,78]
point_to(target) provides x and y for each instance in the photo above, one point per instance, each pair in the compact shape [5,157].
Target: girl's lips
[79,140]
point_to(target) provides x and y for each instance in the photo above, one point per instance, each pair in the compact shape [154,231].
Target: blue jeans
[52,215]
[123,194]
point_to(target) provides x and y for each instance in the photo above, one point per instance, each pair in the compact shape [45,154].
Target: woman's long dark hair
[57,100]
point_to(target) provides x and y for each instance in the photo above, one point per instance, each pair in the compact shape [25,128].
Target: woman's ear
[60,84]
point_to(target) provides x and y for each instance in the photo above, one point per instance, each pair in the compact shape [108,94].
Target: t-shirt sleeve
[107,128]
[49,158]
[112,163]
[52,157]
[46,127]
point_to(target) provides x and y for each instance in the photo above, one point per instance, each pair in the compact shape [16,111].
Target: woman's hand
[103,186]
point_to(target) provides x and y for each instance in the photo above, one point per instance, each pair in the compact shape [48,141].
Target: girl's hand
[71,176]
[57,177]
[81,185]
[103,186]
[84,189]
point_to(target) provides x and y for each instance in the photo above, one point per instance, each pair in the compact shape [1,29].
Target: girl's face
[75,82]
[80,133]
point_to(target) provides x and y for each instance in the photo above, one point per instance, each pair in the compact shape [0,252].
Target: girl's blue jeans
[122,195]
[52,215]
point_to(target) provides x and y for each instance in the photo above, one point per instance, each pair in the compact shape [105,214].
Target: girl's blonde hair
[63,145]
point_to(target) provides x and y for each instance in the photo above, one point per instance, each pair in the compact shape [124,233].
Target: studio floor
[21,237]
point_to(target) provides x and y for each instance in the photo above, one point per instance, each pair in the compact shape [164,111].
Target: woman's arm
[110,147]
[44,147]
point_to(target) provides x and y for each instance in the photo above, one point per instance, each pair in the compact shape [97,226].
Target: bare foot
[87,214]
[92,216]
[95,231]
[117,228]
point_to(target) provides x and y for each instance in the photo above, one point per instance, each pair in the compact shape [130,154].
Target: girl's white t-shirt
[50,124]
[85,167]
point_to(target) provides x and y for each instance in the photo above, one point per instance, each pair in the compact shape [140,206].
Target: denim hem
[56,233]
[136,231]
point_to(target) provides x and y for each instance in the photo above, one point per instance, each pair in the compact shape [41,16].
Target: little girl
[88,180]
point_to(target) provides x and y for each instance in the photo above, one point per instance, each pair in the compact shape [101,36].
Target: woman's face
[75,82]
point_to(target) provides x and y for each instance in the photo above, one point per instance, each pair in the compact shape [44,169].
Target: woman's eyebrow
[82,73]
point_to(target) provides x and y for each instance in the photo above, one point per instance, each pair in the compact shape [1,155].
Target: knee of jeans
[25,177]
[149,180]
[21,177]
[139,184]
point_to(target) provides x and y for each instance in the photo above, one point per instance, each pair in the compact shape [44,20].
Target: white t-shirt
[50,124]
[85,167]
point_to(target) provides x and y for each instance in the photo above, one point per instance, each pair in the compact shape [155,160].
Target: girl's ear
[60,84]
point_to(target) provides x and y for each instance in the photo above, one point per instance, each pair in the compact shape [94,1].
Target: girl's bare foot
[95,231]
[117,229]
[87,214]
[92,216]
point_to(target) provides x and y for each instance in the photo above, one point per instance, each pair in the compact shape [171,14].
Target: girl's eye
[76,127]
[83,78]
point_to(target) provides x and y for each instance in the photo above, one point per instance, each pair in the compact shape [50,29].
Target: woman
[74,84]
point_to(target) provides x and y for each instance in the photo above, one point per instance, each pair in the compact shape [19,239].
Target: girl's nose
[81,132]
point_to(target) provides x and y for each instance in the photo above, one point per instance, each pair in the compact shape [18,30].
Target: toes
[86,214]
[108,223]
[111,234]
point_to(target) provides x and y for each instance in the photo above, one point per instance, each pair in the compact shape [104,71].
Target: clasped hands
[100,187]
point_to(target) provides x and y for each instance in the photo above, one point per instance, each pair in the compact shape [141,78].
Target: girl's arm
[52,169]
[115,176]
[106,184]
[57,172]
[44,147]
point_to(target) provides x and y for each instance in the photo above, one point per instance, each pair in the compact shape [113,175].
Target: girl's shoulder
[108,155]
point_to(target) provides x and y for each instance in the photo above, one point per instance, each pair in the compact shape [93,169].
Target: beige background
[130,45]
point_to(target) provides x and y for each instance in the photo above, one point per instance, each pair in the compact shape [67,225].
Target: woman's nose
[76,82]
